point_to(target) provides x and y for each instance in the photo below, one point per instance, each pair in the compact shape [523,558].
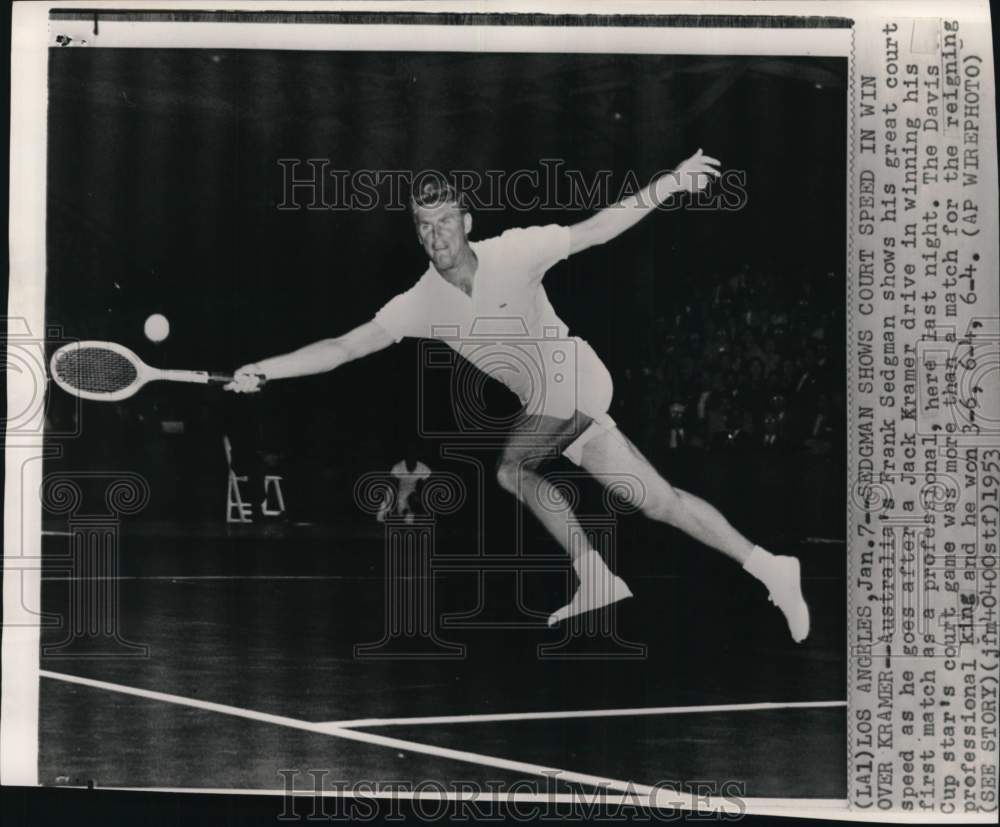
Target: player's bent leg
[610,456]
[518,473]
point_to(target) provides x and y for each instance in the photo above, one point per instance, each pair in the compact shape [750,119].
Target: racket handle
[199,377]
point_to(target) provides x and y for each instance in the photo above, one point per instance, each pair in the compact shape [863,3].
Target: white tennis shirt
[507,327]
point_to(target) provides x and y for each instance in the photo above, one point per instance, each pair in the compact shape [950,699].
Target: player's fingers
[243,383]
[708,159]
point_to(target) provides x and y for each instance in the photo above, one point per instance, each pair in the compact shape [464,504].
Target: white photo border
[34,33]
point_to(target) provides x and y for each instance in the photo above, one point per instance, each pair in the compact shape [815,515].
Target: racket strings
[95,370]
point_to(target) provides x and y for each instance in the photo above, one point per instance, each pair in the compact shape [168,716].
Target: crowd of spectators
[747,362]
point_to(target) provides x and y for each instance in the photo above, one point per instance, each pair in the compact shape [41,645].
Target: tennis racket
[108,372]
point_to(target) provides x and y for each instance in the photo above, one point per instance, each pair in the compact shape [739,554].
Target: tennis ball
[157,328]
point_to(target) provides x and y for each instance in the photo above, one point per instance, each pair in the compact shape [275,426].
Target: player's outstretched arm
[690,176]
[319,357]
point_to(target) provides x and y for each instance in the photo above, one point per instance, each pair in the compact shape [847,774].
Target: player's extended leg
[536,440]
[610,454]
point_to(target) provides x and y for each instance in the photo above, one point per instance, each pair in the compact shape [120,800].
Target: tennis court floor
[252,674]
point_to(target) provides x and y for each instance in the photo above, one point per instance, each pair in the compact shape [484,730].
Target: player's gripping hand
[695,173]
[247,379]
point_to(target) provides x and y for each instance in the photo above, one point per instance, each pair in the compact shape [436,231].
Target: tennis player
[485,299]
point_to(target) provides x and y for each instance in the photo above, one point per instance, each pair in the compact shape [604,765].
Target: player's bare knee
[508,476]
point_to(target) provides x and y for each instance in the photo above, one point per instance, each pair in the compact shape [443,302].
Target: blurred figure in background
[409,475]
[677,434]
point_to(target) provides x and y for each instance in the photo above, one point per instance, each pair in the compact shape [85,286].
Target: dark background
[162,197]
[162,194]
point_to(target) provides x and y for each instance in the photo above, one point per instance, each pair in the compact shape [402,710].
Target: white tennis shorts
[576,380]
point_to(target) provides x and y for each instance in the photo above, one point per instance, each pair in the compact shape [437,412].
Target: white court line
[640,792]
[581,713]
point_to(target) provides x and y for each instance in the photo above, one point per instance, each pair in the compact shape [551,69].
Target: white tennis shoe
[785,587]
[599,589]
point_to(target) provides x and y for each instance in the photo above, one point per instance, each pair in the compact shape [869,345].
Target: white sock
[588,564]
[759,563]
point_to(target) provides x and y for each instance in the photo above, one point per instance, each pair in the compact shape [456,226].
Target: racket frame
[144,373]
